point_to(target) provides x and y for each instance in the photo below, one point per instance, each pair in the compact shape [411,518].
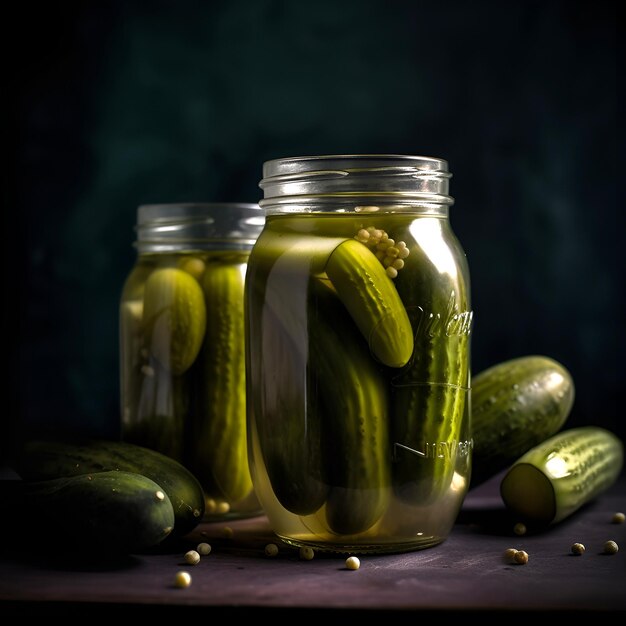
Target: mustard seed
[521,557]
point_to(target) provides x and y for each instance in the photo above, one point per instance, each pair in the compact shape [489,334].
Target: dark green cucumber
[351,395]
[98,514]
[431,406]
[554,479]
[516,405]
[45,460]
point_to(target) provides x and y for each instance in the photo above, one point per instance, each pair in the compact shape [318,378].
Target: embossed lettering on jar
[182,345]
[358,323]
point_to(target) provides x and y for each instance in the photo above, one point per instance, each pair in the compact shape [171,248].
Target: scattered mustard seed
[353,563]
[519,528]
[182,580]
[192,557]
[228,532]
[618,518]
[521,557]
[306,553]
[578,549]
[204,548]
[510,553]
[611,547]
[271,549]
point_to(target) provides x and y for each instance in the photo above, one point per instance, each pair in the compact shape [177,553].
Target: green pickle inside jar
[183,369]
[359,322]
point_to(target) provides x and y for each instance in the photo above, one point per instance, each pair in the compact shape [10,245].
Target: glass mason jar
[358,322]
[182,345]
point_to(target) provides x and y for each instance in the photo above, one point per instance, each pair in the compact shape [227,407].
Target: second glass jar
[358,325]
[182,345]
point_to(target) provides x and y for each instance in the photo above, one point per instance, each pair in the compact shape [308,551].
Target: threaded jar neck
[198,226]
[344,183]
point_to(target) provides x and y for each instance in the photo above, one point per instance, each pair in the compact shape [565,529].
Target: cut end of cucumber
[528,493]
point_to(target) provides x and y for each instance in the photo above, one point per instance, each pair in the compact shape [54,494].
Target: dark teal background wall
[118,103]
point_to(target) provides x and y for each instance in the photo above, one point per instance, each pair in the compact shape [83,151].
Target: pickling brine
[358,336]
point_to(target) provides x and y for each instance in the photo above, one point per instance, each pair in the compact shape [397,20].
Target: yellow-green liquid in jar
[183,369]
[358,378]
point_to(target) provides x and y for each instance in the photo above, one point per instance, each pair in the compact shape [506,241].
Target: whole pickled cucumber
[279,392]
[219,454]
[373,302]
[431,419]
[355,424]
[155,400]
[174,318]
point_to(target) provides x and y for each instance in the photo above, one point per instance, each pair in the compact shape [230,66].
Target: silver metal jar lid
[198,226]
[393,177]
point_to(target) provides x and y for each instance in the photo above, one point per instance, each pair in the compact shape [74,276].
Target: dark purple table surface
[466,572]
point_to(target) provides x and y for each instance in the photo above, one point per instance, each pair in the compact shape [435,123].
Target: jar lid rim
[312,163]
